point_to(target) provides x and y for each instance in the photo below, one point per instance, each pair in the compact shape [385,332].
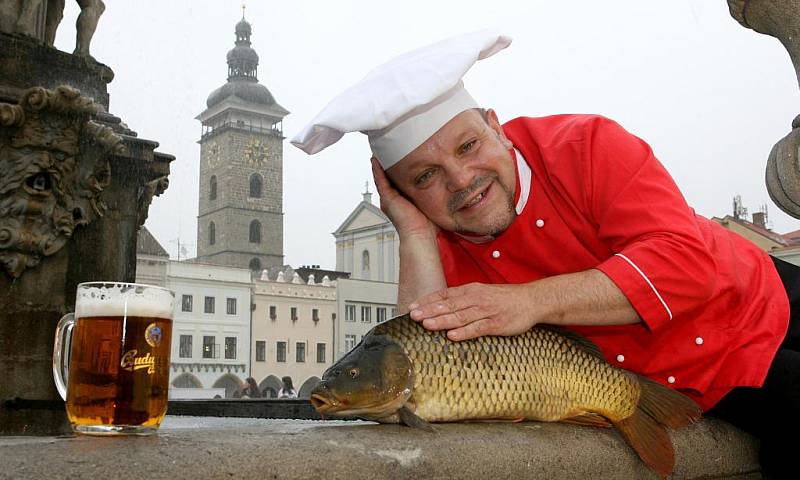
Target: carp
[402,373]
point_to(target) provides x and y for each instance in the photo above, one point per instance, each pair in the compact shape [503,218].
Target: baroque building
[367,244]
[240,220]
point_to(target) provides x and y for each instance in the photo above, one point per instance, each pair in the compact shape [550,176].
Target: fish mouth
[330,405]
[322,403]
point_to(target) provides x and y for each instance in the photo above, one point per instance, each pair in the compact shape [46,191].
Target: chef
[567,220]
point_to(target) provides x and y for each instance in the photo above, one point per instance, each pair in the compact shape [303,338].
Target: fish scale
[501,378]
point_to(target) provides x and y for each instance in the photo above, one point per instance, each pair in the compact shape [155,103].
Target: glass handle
[64,329]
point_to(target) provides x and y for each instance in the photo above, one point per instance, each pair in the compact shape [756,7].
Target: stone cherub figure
[27,12]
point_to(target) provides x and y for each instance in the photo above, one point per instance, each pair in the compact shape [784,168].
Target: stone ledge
[203,447]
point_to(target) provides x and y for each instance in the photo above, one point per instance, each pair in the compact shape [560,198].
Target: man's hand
[405,216]
[476,309]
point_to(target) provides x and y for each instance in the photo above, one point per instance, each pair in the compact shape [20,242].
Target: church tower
[240,221]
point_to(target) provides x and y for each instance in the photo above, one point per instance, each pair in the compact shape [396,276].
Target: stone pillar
[75,186]
[779,19]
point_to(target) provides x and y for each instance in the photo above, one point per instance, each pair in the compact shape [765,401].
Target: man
[567,220]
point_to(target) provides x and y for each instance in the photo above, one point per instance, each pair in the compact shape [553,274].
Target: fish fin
[411,419]
[649,440]
[495,420]
[667,406]
[582,342]
[590,419]
[644,431]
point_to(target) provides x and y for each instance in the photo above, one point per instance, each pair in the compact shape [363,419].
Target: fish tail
[644,431]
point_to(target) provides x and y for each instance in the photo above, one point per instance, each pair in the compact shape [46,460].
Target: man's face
[463,177]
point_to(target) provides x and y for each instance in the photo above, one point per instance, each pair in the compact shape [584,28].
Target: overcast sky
[709,96]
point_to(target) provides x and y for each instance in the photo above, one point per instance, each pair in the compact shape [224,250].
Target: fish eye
[354,372]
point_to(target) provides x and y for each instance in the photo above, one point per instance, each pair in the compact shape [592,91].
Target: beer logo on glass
[131,362]
[153,335]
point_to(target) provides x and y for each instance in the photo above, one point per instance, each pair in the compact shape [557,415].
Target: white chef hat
[400,104]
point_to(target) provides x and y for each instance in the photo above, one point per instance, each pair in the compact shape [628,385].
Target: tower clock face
[255,152]
[213,156]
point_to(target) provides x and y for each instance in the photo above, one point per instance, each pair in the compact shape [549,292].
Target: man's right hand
[404,215]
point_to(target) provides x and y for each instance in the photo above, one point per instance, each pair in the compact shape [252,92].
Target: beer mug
[119,342]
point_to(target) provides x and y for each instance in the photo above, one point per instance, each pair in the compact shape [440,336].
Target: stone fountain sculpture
[75,186]
[780,19]
[40,18]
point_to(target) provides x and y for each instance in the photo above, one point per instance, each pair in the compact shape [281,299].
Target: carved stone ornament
[151,189]
[53,167]
[779,19]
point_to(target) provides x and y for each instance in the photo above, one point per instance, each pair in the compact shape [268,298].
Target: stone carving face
[55,165]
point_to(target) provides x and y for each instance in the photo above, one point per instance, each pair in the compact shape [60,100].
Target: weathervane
[243,7]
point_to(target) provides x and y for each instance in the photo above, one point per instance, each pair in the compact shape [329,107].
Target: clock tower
[240,221]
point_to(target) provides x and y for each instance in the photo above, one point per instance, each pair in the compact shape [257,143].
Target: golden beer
[118,377]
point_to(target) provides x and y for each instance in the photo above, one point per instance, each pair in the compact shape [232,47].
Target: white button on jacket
[496,254]
[540,223]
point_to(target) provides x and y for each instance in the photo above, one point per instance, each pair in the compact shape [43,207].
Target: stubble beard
[493,226]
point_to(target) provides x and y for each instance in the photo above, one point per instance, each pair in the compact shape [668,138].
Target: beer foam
[117,299]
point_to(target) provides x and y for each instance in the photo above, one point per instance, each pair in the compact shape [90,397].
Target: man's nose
[459,176]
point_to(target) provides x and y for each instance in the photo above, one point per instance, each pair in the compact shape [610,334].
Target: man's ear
[491,119]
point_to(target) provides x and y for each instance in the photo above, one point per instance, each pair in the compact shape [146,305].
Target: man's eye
[424,177]
[466,147]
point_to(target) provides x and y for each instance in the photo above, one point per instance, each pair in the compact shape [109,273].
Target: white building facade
[367,245]
[360,305]
[293,328]
[210,328]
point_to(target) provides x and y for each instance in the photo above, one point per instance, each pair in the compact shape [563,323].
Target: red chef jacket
[713,308]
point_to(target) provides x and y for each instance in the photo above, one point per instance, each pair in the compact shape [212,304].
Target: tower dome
[242,72]
[243,28]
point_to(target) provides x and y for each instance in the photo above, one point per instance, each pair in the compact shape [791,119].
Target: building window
[349,342]
[320,353]
[366,314]
[273,312]
[255,185]
[380,314]
[185,350]
[365,261]
[255,231]
[394,312]
[212,233]
[261,351]
[281,352]
[349,313]
[230,307]
[230,347]
[208,307]
[294,313]
[209,348]
[300,352]
[315,314]
[255,265]
[186,303]
[212,188]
